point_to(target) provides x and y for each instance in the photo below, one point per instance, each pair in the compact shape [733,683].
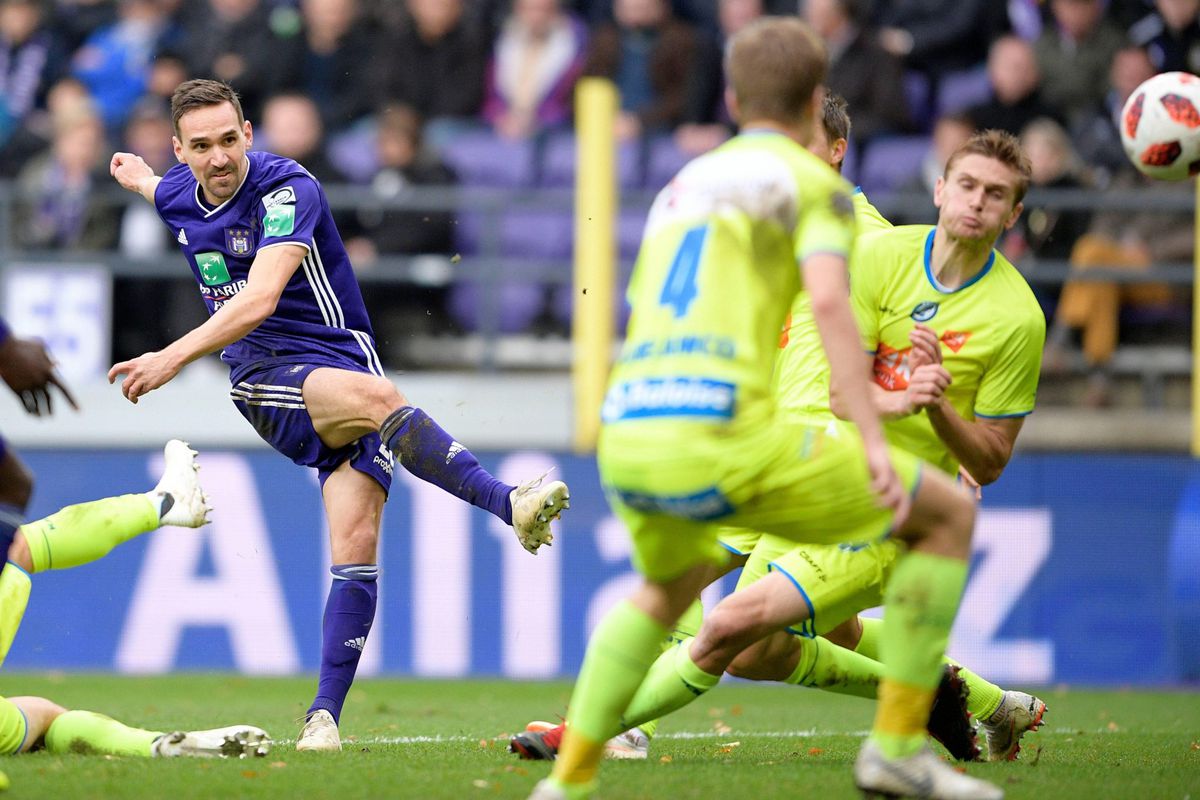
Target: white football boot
[922,775]
[632,744]
[534,506]
[235,741]
[319,733]
[188,504]
[1017,714]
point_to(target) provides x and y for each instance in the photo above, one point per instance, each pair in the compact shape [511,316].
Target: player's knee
[18,552]
[383,398]
[355,545]
[751,664]
[728,626]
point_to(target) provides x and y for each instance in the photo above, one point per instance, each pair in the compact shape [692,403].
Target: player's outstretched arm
[134,174]
[828,286]
[245,311]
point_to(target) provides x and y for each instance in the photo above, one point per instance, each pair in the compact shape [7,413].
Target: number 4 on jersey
[679,290]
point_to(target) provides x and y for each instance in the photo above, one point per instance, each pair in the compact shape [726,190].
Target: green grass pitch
[445,739]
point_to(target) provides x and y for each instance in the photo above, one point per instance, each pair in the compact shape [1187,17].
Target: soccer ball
[1160,126]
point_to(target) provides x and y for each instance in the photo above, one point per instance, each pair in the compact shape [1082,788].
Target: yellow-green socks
[824,665]
[621,650]
[14,596]
[984,697]
[673,681]
[919,607]
[91,733]
[685,630]
[86,532]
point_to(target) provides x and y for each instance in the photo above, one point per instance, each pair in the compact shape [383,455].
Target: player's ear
[1016,213]
[937,191]
[177,146]
[248,130]
[839,151]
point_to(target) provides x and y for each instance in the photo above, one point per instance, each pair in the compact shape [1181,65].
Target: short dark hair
[1003,147]
[774,65]
[835,117]
[201,93]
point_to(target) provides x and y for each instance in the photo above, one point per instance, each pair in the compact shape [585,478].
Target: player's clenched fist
[926,386]
[133,174]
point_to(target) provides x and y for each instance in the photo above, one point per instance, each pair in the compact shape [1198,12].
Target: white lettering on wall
[244,596]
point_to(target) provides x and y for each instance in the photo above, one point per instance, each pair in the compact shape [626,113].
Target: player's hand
[143,374]
[926,386]
[972,485]
[28,369]
[130,171]
[885,483]
[927,348]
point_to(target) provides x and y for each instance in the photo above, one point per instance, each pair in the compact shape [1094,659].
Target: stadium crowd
[385,95]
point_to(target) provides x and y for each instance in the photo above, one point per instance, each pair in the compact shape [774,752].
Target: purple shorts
[271,401]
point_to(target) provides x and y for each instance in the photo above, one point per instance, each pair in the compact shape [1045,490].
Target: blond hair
[774,65]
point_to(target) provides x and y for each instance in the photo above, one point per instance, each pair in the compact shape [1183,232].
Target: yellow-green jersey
[991,330]
[715,277]
[802,371]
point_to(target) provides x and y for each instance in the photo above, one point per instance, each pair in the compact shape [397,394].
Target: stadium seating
[890,162]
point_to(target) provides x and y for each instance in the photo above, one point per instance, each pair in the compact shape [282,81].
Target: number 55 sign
[69,307]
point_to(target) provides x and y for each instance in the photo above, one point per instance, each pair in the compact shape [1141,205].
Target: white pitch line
[677,735]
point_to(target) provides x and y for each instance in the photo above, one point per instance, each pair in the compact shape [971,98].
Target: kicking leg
[345,406]
[353,505]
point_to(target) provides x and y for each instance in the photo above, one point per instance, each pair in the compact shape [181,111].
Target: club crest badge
[237,241]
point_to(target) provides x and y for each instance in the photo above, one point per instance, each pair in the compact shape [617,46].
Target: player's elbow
[259,307]
[827,304]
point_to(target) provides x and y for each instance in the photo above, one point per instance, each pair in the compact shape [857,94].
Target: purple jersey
[320,318]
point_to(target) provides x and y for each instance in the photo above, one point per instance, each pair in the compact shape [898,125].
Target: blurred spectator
[166,73]
[58,205]
[1119,240]
[537,59]
[231,40]
[29,61]
[76,20]
[652,57]
[403,164]
[1171,35]
[950,132]
[870,78]
[1074,54]
[330,61]
[1016,96]
[1098,135]
[939,36]
[435,63]
[706,119]
[1048,232]
[114,63]
[401,310]
[291,127]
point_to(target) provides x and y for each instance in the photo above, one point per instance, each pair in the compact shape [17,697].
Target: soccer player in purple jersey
[287,314]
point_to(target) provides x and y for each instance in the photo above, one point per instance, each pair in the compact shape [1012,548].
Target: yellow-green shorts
[13,728]
[836,580]
[676,485]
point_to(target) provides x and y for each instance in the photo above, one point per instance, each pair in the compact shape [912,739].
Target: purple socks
[428,452]
[349,612]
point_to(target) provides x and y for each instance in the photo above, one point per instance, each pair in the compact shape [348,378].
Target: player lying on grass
[691,439]
[835,582]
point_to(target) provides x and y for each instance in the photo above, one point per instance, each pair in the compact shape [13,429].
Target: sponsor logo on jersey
[385,460]
[891,368]
[955,339]
[454,449]
[706,505]
[278,197]
[237,241]
[669,397]
[924,311]
[212,268]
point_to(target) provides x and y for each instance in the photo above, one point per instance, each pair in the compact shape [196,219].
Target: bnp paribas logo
[212,268]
